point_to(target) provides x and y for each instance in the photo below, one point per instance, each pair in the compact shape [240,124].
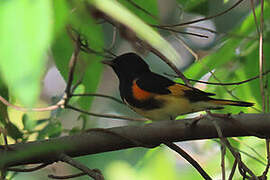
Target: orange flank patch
[139,93]
[178,89]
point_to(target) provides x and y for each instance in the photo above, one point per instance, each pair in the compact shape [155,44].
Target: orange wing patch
[178,89]
[139,93]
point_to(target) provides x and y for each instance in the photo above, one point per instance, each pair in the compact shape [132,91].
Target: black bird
[157,97]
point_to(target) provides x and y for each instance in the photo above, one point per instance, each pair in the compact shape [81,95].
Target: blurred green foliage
[32,31]
[25,35]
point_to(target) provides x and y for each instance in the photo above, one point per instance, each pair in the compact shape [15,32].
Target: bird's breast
[136,97]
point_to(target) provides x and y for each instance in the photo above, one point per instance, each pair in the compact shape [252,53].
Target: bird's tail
[223,102]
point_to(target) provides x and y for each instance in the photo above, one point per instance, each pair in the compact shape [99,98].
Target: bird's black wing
[154,83]
[158,84]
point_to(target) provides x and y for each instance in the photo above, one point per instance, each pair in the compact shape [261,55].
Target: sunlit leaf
[25,35]
[60,10]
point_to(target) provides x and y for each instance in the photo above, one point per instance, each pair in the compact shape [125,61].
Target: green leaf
[13,131]
[60,12]
[91,80]
[79,90]
[28,123]
[41,121]
[52,129]
[25,35]
[74,130]
[62,50]
[87,63]
[214,60]
[228,51]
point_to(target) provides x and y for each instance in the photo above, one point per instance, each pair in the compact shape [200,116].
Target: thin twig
[105,115]
[181,32]
[254,15]
[142,9]
[174,68]
[68,176]
[247,154]
[206,18]
[223,84]
[94,174]
[72,65]
[113,39]
[187,157]
[236,155]
[99,95]
[252,149]
[84,46]
[261,58]
[233,170]
[79,81]
[225,88]
[222,33]
[110,53]
[262,86]
[251,156]
[29,169]
[156,52]
[196,56]
[23,109]
[223,153]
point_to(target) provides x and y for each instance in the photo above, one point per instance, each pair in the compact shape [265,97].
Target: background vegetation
[38,36]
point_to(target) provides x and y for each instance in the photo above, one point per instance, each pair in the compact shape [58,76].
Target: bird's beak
[108,62]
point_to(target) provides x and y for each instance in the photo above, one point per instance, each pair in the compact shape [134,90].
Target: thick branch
[98,141]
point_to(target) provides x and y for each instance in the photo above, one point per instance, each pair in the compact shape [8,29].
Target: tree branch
[93,142]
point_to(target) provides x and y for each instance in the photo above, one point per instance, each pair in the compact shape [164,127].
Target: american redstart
[157,97]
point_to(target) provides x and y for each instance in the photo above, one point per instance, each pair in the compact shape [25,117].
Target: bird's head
[128,65]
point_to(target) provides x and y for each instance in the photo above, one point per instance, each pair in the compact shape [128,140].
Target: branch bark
[151,135]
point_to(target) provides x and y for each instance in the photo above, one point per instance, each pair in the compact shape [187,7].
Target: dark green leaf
[52,129]
[74,130]
[13,131]
[28,123]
